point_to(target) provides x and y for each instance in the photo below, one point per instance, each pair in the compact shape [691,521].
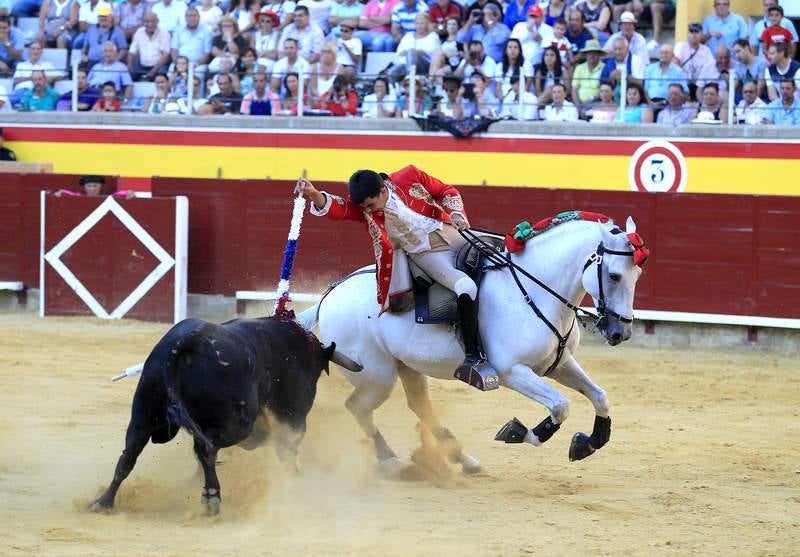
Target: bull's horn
[340,359]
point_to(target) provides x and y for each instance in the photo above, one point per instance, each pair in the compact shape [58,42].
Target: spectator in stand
[348,50]
[479,97]
[92,187]
[751,109]
[487,27]
[658,76]
[210,14]
[694,57]
[636,109]
[784,111]
[22,8]
[193,41]
[612,67]
[150,50]
[782,68]
[476,60]
[319,12]
[284,9]
[227,101]
[87,16]
[57,20]
[577,34]
[517,12]
[103,32]
[308,36]
[676,112]
[198,102]
[555,10]
[511,101]
[417,48]
[246,69]
[560,110]
[346,11]
[655,11]
[325,72]
[604,110]
[39,98]
[111,69]
[440,11]
[261,101]
[179,77]
[749,67]
[712,102]
[290,95]
[291,63]
[452,104]
[446,60]
[25,69]
[129,16]
[404,16]
[339,100]
[171,14]
[532,34]
[586,78]
[266,39]
[548,74]
[635,42]
[245,14]
[775,32]
[6,154]
[226,46]
[422,103]
[560,42]
[12,43]
[157,103]
[596,17]
[758,29]
[375,26]
[87,96]
[513,65]
[380,103]
[723,27]
[109,100]
[480,4]
[720,72]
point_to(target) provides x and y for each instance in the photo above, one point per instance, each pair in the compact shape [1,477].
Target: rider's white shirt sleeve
[325,208]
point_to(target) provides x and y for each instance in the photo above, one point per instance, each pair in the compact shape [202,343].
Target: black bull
[215,381]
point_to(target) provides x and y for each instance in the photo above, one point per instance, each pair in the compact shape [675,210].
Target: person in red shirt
[440,11]
[109,101]
[340,99]
[774,32]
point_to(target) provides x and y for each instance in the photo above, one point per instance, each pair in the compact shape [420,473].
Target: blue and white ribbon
[289,253]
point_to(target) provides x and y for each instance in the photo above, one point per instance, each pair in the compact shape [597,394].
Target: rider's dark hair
[364,184]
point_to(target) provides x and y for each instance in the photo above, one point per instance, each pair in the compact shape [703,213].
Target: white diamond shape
[166,262]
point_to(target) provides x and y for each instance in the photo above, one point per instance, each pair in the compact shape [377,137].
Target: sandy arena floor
[704,459]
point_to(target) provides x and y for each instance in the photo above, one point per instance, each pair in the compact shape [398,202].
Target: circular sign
[657,166]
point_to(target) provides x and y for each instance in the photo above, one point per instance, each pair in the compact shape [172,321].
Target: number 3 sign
[657,166]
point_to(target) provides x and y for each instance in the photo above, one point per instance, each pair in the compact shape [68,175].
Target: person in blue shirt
[723,27]
[12,43]
[760,49]
[486,26]
[784,111]
[517,12]
[659,75]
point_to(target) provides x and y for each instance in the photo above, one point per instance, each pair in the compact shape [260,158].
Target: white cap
[627,17]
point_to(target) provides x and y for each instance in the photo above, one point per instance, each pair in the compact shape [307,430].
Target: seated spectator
[179,77]
[577,34]
[441,10]
[758,29]
[111,69]
[22,75]
[555,10]
[87,96]
[486,26]
[308,36]
[283,8]
[103,32]
[380,103]
[227,101]
[261,101]
[109,100]
[93,187]
[723,27]
[171,14]
[265,39]
[245,14]
[12,43]
[480,4]
[596,17]
[656,12]
[6,154]
[157,103]
[676,112]
[479,97]
[291,63]
[560,110]
[561,43]
[751,109]
[548,74]
[517,12]
[210,14]
[416,48]
[604,110]
[340,100]
[749,67]
[449,56]
[129,16]
[775,32]
[712,102]
[325,72]
[781,68]
[87,16]
[511,103]
[476,61]
[348,50]
[193,41]
[720,72]
[612,68]
[694,57]
[226,46]
[404,16]
[634,42]
[784,111]
[150,50]
[452,104]
[532,34]
[57,20]
[422,103]
[636,109]
[512,66]
[658,76]
[290,95]
[198,101]
[374,26]
[40,97]
[319,12]
[586,78]
[246,69]
[346,11]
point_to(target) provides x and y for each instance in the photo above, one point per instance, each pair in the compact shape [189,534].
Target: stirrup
[478,373]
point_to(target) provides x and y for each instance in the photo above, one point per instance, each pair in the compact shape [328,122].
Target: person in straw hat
[586,79]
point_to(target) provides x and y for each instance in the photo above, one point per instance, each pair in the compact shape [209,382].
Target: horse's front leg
[524,380]
[571,375]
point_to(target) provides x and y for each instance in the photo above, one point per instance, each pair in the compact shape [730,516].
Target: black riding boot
[474,370]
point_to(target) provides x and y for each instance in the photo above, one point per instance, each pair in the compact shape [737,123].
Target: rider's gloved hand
[459,221]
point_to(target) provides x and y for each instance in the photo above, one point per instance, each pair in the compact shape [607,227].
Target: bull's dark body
[215,380]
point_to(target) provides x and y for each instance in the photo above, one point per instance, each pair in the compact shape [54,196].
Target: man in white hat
[627,30]
[586,79]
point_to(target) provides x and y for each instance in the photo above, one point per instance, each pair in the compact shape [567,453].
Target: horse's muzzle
[614,330]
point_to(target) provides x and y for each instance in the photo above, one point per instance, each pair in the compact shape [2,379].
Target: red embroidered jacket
[419,191]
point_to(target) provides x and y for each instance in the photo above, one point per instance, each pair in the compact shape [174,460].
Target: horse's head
[610,275]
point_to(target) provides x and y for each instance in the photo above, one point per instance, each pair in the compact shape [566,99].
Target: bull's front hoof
[580,447]
[101,506]
[211,500]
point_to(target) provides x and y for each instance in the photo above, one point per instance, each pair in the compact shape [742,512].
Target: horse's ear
[630,226]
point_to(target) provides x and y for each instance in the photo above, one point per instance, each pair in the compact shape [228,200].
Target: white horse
[571,259]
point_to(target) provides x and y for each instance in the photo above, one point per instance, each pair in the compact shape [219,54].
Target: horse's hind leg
[571,375]
[362,403]
[416,387]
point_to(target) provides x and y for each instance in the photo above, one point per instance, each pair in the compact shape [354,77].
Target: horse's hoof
[394,467]
[100,507]
[513,432]
[580,447]
[470,465]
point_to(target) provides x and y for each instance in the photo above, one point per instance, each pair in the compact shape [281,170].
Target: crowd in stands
[563,60]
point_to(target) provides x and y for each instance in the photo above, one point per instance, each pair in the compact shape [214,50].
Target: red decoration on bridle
[640,252]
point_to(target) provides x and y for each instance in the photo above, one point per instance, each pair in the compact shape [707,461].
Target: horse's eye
[616,277]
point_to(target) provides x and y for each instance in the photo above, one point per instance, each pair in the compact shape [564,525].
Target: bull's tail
[309,318]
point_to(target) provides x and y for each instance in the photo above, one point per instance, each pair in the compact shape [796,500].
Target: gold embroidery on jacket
[453,202]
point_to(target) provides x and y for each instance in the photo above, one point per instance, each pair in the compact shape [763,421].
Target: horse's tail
[310,317]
